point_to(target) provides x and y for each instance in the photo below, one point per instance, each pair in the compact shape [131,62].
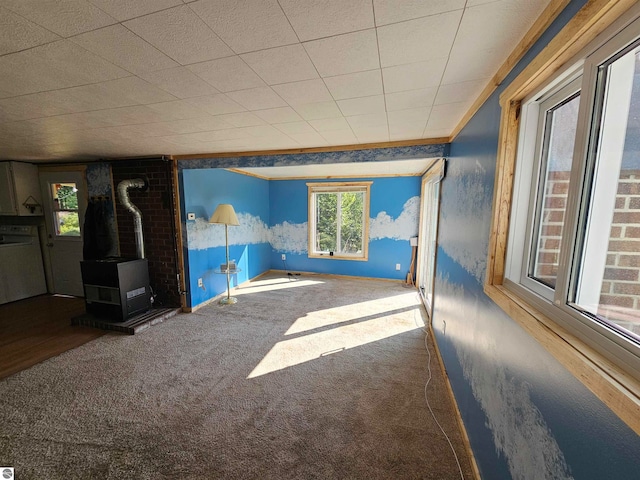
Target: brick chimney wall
[157,209]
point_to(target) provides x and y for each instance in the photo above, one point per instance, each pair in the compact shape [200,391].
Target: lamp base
[228,300]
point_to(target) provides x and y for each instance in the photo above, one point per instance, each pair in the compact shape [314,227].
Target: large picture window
[564,257]
[338,220]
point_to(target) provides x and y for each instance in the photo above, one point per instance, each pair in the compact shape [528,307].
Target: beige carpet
[317,378]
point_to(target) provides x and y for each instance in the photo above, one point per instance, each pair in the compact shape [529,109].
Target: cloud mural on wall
[519,430]
[402,228]
[466,238]
[202,235]
[290,237]
[293,237]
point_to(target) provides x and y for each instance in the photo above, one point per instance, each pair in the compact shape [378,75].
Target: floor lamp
[226,215]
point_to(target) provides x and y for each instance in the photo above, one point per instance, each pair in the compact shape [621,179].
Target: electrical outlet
[397,266]
[284,257]
[200,284]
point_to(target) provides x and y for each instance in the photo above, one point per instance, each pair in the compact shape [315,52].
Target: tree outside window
[338,220]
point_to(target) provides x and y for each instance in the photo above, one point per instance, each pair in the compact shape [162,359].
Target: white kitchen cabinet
[19,189]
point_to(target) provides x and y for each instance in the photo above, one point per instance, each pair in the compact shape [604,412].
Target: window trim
[335,187]
[617,387]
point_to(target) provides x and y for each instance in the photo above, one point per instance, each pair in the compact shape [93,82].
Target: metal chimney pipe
[123,194]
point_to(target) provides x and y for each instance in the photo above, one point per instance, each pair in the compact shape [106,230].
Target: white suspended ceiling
[89,79]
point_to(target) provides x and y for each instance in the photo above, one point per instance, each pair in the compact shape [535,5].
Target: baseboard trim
[458,415]
[335,275]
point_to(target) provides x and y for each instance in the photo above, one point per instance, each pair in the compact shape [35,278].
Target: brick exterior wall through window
[620,292]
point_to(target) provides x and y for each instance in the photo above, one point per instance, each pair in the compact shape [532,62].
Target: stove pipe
[123,194]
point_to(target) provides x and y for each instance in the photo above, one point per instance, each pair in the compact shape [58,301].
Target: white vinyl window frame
[605,360]
[428,231]
[316,189]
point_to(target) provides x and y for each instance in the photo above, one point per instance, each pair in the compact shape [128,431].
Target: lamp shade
[224,214]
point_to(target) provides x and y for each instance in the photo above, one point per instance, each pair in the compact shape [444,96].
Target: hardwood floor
[38,328]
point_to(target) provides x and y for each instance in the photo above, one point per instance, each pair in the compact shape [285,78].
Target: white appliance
[21,269]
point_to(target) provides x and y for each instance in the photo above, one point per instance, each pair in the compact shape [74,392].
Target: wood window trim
[611,384]
[315,186]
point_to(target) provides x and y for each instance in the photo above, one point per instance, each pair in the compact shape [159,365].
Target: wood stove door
[64,195]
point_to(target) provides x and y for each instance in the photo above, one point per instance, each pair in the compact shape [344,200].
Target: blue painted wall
[393,210]
[273,219]
[527,417]
[202,191]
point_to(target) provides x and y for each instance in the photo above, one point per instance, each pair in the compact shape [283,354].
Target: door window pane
[65,209]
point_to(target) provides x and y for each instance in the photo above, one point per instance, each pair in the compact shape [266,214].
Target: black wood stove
[116,287]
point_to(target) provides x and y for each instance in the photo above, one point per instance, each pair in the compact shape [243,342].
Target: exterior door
[64,195]
[428,232]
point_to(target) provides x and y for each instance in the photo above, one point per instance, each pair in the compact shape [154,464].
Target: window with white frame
[574,234]
[339,220]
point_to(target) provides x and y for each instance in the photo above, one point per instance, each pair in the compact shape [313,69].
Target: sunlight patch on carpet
[269,285]
[333,316]
[306,348]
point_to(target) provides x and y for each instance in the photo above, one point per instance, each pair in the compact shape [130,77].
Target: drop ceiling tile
[418,40]
[84,98]
[127,115]
[282,65]
[493,25]
[446,116]
[278,115]
[392,11]
[362,106]
[354,85]
[87,120]
[179,82]
[181,34]
[294,127]
[464,65]
[248,25]
[242,119]
[126,9]
[216,104]
[408,124]
[373,134]
[29,106]
[349,53]
[219,135]
[227,74]
[66,18]
[324,18]
[413,76]
[366,121]
[435,133]
[261,131]
[54,65]
[177,110]
[200,124]
[310,139]
[136,89]
[460,92]
[257,98]
[340,137]
[423,97]
[307,91]
[330,124]
[18,33]
[316,111]
[124,49]
[409,116]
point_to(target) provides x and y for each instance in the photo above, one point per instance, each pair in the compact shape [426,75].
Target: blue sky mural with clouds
[526,416]
[273,220]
